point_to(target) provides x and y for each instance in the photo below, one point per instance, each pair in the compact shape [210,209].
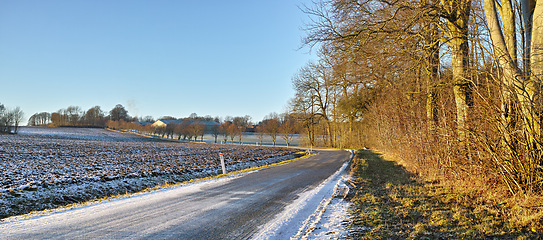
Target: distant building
[251,128]
[163,123]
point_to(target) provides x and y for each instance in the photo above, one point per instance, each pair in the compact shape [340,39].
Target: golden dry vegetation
[392,203]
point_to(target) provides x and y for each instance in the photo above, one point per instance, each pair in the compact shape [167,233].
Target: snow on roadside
[324,207]
[148,196]
[334,217]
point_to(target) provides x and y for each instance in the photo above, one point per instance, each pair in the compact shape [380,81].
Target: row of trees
[10,119]
[230,129]
[74,116]
[453,86]
[274,125]
[185,130]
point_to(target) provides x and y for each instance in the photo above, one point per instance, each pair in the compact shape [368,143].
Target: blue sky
[156,58]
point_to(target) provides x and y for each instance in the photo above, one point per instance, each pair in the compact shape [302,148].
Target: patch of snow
[294,222]
[333,218]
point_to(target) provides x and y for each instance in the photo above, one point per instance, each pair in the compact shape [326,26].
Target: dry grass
[392,203]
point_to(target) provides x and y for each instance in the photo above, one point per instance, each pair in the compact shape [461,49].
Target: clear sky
[219,58]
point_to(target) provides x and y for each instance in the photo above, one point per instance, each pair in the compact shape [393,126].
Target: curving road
[229,208]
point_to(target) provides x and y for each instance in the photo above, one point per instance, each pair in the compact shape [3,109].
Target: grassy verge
[392,203]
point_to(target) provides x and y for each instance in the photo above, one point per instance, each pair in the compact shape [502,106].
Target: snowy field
[43,168]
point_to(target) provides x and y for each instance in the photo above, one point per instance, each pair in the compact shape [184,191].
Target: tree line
[452,86]
[75,116]
[10,119]
[230,129]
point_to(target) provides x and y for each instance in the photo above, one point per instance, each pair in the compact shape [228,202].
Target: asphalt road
[225,209]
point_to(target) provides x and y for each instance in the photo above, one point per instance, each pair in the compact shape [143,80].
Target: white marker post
[222,164]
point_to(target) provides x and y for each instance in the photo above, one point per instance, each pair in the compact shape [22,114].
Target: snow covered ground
[319,213]
[44,168]
[334,218]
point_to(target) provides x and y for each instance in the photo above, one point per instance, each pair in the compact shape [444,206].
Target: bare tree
[288,128]
[233,131]
[10,119]
[179,130]
[6,120]
[457,13]
[215,131]
[94,116]
[39,119]
[147,119]
[73,113]
[261,132]
[224,129]
[313,84]
[271,126]
[241,123]
[521,79]
[17,118]
[170,130]
[420,78]
[119,113]
[201,130]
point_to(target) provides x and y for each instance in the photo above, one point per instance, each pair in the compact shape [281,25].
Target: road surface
[229,208]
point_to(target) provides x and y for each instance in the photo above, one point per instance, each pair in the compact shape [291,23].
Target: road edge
[309,217]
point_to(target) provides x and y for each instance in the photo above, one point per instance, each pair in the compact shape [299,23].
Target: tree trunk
[527,8]
[526,90]
[458,12]
[461,85]
[432,71]
[536,55]
[502,45]
[524,85]
[329,132]
[536,63]
[431,52]
[509,30]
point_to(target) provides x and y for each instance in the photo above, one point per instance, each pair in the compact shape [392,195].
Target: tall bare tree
[10,119]
[224,129]
[94,116]
[521,81]
[271,125]
[119,113]
[288,127]
[314,83]
[457,13]
[39,119]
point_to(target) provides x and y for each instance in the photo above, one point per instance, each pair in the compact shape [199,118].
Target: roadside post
[222,163]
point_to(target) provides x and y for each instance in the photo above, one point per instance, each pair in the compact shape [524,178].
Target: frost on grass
[45,168]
